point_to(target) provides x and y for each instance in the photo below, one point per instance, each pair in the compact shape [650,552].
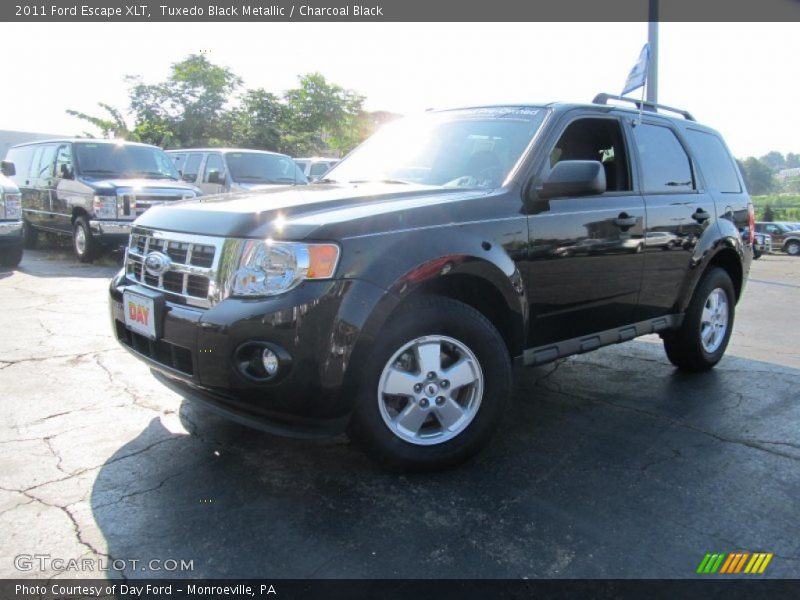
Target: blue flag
[638,75]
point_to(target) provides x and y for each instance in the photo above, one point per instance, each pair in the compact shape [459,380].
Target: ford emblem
[157,263]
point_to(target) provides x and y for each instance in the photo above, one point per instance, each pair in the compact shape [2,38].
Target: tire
[83,244]
[756,254]
[444,424]
[693,347]
[30,235]
[792,247]
[11,257]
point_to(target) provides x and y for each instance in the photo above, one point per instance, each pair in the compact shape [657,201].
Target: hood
[113,184]
[299,212]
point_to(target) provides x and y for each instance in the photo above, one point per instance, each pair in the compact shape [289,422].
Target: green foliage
[777,207]
[758,177]
[200,104]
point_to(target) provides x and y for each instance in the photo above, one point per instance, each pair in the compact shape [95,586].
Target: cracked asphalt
[609,464]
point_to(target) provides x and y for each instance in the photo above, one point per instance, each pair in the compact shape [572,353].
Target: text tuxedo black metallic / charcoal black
[391,298]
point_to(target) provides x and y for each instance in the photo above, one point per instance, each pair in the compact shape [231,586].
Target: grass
[785,207]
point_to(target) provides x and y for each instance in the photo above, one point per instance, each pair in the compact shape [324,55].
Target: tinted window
[255,167]
[665,164]
[318,169]
[717,165]
[213,163]
[192,167]
[599,140]
[47,162]
[64,161]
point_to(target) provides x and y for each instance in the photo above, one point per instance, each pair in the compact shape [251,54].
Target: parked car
[10,219]
[314,168]
[783,236]
[392,299]
[661,239]
[762,243]
[221,170]
[91,189]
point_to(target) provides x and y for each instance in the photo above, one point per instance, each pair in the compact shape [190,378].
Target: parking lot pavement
[609,464]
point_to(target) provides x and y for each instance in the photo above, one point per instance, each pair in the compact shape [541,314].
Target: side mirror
[8,168]
[66,172]
[575,178]
[216,177]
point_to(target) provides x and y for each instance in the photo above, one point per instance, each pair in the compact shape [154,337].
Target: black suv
[392,298]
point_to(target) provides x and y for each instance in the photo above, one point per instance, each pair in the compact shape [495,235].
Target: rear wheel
[30,235]
[700,342]
[11,257]
[792,248]
[83,243]
[434,387]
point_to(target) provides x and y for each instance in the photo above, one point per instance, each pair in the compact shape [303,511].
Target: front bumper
[318,324]
[10,233]
[110,232]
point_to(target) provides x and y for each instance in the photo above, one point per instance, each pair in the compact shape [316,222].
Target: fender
[422,259]
[720,238]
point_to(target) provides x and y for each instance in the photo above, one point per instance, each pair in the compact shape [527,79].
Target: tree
[792,160]
[768,214]
[774,160]
[319,116]
[758,176]
[113,126]
[258,120]
[190,106]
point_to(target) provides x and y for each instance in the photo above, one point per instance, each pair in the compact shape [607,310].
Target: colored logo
[157,263]
[734,562]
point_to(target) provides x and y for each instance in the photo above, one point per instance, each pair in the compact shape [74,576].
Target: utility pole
[652,38]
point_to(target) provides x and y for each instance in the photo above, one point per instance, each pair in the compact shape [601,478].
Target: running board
[586,343]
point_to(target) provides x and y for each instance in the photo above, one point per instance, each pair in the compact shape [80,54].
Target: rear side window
[214,163]
[716,163]
[192,167]
[47,163]
[665,165]
[21,157]
[318,169]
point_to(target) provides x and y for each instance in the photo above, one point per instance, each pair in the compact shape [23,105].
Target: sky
[740,78]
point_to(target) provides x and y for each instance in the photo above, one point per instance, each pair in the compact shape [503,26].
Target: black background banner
[439,589]
[395,10]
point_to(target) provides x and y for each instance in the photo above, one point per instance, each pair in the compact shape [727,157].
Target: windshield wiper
[325,180]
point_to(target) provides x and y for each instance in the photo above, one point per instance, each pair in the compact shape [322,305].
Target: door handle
[700,215]
[624,221]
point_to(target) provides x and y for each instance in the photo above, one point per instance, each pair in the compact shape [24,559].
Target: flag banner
[638,75]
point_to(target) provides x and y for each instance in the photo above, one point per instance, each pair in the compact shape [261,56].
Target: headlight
[13,206]
[270,268]
[105,207]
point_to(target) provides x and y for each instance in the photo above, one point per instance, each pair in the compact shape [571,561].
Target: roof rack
[651,106]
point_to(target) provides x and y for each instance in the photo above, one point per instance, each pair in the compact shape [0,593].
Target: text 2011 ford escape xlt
[391,298]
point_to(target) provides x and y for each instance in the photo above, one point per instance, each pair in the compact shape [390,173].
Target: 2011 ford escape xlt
[392,298]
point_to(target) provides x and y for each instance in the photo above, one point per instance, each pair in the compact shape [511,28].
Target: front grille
[191,277]
[134,203]
[162,352]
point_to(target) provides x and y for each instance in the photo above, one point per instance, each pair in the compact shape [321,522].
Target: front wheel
[433,388]
[11,257]
[792,248]
[700,342]
[83,243]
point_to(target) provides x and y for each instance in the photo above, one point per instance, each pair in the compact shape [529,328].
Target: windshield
[464,148]
[255,167]
[123,161]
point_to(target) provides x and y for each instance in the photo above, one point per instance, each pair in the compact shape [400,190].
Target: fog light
[270,361]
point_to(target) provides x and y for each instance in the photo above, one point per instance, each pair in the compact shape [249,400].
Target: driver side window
[213,163]
[600,140]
